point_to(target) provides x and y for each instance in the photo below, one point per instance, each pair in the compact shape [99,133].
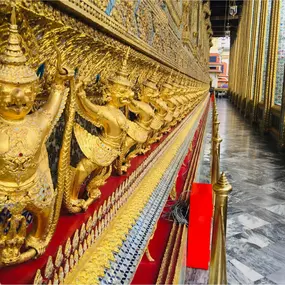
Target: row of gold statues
[25,177]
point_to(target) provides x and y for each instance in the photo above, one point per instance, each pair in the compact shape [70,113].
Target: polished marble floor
[256,213]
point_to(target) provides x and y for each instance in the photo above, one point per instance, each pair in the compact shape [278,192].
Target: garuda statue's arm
[133,107]
[53,108]
[159,105]
[86,109]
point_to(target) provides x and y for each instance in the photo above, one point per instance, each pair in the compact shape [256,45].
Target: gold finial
[222,186]
[13,16]
[121,77]
[177,77]
[155,71]
[12,61]
[168,80]
[124,66]
[152,80]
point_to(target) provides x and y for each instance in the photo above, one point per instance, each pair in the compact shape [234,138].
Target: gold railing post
[218,264]
[216,141]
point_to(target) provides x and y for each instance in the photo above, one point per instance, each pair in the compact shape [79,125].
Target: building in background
[219,62]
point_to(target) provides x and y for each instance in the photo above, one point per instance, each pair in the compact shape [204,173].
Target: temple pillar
[282,120]
[263,38]
[252,57]
[271,67]
[245,58]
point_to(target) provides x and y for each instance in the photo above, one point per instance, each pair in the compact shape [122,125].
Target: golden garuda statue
[178,95]
[25,178]
[145,118]
[109,148]
[149,94]
[138,130]
[166,94]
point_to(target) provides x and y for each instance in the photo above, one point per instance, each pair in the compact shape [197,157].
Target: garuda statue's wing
[93,148]
[136,132]
[80,110]
[156,123]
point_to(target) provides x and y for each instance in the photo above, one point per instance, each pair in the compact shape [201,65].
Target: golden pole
[252,57]
[272,62]
[218,264]
[259,82]
[216,141]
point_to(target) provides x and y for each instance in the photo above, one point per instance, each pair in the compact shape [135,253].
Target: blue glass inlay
[110,7]
[136,17]
[41,70]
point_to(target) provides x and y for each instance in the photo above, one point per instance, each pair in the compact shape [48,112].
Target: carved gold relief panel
[195,23]
[89,103]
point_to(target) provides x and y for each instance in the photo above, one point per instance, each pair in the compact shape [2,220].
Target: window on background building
[213,58]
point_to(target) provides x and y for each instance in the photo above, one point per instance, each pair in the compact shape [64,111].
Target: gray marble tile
[276,250]
[247,220]
[238,246]
[246,207]
[264,281]
[254,239]
[255,258]
[279,194]
[233,211]
[278,277]
[247,248]
[278,209]
[234,228]
[278,185]
[275,232]
[234,200]
[246,271]
[235,276]
[268,216]
[196,276]
[262,180]
[264,201]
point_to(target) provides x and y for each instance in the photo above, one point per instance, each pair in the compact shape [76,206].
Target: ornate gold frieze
[155,38]
[175,11]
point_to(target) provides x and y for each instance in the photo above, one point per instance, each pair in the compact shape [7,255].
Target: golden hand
[62,73]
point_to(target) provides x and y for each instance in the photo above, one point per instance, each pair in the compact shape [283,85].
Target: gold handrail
[218,264]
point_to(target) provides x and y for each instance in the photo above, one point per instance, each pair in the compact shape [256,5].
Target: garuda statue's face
[16,100]
[121,94]
[149,93]
[165,91]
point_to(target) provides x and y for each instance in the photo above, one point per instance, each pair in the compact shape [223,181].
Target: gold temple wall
[66,53]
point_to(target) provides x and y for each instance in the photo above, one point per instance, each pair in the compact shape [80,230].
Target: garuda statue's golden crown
[121,76]
[13,68]
[152,80]
[168,83]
